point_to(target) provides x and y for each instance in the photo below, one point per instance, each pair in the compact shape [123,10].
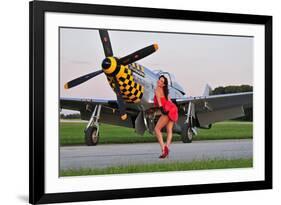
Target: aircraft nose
[110,66]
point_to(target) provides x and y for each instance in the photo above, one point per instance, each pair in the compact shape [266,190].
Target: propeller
[111,66]
[120,100]
[138,55]
[82,79]
[106,43]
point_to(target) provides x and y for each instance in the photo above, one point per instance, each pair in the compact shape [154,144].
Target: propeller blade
[120,100]
[106,43]
[81,79]
[138,55]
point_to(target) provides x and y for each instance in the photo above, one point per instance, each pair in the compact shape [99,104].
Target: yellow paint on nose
[121,72]
[113,65]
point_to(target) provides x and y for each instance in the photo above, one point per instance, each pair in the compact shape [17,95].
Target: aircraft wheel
[187,135]
[91,136]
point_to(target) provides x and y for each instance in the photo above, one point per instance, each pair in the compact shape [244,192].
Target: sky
[194,59]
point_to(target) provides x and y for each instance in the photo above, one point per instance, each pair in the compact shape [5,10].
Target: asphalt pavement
[102,156]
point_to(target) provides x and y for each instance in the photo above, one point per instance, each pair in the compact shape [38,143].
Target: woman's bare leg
[163,120]
[169,128]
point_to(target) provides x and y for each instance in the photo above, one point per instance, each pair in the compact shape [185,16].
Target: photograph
[147,101]
[129,102]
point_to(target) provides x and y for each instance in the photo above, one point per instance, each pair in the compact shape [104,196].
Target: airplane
[134,86]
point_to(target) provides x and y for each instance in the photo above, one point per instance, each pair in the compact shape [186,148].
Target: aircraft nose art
[131,91]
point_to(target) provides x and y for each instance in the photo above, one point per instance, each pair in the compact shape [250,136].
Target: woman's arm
[158,97]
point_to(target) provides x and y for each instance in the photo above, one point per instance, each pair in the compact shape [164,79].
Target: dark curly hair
[165,88]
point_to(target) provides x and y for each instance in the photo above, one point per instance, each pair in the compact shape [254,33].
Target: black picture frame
[37,11]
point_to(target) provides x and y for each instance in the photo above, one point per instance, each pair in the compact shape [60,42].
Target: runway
[102,156]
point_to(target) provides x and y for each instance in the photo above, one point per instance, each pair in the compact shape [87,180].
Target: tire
[186,134]
[91,136]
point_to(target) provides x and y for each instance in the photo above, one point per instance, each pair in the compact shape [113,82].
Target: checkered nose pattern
[131,91]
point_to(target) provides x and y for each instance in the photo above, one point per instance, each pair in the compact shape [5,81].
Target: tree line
[232,89]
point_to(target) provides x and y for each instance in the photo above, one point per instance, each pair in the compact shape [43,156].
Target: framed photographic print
[130,102]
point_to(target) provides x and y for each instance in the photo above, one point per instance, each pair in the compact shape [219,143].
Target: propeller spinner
[111,66]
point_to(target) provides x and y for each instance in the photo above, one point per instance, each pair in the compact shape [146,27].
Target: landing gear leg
[188,130]
[92,129]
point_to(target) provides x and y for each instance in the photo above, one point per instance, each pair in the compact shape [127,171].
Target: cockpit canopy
[171,78]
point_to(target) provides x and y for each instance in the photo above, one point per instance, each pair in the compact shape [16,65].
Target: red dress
[168,106]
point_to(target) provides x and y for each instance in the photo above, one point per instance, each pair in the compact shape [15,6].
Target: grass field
[175,166]
[72,133]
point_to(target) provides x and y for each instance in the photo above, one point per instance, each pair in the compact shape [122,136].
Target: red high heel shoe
[165,154]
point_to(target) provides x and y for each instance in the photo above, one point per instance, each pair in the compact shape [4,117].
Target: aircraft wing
[215,108]
[109,111]
[79,104]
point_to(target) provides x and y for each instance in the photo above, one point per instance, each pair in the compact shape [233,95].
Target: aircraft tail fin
[208,90]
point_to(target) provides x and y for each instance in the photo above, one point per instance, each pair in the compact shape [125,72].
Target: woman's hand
[163,111]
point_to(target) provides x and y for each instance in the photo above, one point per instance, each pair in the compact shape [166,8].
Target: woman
[169,115]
